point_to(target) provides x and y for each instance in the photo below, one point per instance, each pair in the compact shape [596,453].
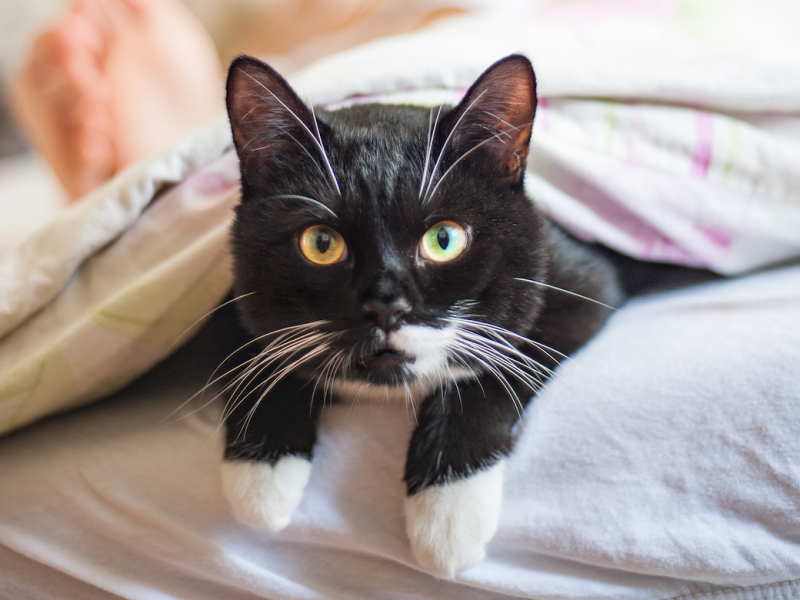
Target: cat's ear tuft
[497,112]
[267,117]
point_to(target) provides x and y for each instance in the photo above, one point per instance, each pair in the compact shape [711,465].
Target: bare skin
[114,81]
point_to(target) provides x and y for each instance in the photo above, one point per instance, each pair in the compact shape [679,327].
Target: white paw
[262,495]
[449,525]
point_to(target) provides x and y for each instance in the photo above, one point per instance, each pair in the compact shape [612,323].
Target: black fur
[369,192]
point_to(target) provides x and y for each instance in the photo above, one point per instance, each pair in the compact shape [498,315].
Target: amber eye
[322,245]
[443,242]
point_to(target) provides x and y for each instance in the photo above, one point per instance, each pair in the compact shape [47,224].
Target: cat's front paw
[263,495]
[449,525]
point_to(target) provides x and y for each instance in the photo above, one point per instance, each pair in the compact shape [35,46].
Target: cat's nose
[388,315]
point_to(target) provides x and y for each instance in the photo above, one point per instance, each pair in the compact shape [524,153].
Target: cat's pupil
[323,242]
[443,238]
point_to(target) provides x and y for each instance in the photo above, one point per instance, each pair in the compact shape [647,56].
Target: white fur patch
[262,495]
[449,525]
[428,345]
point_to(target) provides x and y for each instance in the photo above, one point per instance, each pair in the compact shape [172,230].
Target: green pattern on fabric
[35,388]
[157,313]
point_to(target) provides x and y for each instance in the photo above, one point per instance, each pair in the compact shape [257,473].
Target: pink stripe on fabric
[704,146]
[543,115]
[723,240]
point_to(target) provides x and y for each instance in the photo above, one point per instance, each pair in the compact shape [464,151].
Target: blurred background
[289,34]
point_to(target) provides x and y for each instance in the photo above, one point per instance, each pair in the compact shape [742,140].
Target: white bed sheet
[662,462]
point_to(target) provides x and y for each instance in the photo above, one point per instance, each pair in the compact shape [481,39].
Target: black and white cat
[391,252]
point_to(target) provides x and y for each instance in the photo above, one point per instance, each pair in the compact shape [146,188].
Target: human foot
[61,100]
[114,81]
[164,74]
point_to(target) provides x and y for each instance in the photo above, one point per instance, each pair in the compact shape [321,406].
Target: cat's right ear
[268,120]
[497,112]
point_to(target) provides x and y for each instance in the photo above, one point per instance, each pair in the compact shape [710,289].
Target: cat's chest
[357,392]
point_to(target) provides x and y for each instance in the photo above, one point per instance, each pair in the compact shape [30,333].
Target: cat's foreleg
[454,472]
[268,449]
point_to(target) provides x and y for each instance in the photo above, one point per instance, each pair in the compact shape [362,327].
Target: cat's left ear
[497,113]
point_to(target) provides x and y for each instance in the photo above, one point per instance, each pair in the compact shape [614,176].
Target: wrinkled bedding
[660,463]
[694,166]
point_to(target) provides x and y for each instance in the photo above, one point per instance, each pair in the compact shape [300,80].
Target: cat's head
[369,239]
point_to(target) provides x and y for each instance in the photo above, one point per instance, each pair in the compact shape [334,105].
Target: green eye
[443,242]
[322,245]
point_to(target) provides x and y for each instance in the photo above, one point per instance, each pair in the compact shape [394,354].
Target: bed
[661,462]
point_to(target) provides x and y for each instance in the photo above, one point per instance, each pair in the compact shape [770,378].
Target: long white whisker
[446,142]
[202,391]
[324,372]
[471,353]
[212,311]
[302,146]
[291,348]
[432,124]
[458,391]
[514,127]
[446,173]
[515,362]
[237,398]
[317,142]
[474,374]
[213,380]
[531,379]
[503,345]
[322,149]
[298,340]
[409,401]
[558,289]
[543,348]
[276,378]
[275,350]
[307,199]
[327,376]
[341,367]
[482,326]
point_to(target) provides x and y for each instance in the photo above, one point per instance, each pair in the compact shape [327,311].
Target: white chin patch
[428,346]
[262,495]
[449,525]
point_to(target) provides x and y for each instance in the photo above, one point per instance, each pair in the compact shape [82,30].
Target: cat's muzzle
[386,358]
[384,365]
